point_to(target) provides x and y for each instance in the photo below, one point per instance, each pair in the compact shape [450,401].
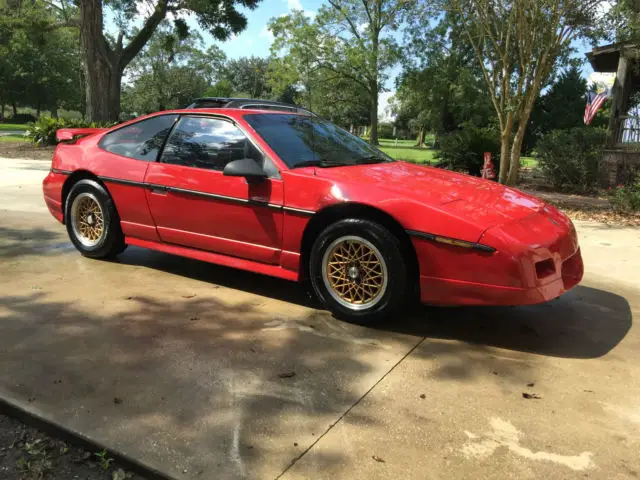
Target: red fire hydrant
[487,169]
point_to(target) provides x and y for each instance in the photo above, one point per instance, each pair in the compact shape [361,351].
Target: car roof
[227,112]
[233,113]
[245,104]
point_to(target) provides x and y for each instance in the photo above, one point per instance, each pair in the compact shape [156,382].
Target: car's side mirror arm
[247,168]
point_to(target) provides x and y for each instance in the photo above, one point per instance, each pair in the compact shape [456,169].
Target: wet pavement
[201,371]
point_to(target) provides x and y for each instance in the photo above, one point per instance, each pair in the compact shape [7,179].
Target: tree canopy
[348,40]
[498,67]
[441,86]
[39,67]
[105,57]
[517,44]
[170,72]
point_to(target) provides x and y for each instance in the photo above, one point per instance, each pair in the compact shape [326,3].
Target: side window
[209,143]
[141,140]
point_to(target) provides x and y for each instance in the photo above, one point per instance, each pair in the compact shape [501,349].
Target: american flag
[594,102]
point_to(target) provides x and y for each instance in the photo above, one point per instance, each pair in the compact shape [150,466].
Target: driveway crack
[346,412]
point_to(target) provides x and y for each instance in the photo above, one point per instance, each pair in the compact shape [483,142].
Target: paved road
[180,364]
[11,132]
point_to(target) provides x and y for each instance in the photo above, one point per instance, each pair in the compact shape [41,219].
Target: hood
[483,202]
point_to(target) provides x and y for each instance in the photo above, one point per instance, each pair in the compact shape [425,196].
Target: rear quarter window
[141,140]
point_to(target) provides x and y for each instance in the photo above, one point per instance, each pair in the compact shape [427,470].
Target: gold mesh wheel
[87,219]
[354,272]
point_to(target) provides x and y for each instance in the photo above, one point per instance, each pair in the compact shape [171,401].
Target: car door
[121,162]
[195,205]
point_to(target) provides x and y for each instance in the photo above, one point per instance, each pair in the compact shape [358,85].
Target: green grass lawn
[12,127]
[406,150]
[12,139]
[530,162]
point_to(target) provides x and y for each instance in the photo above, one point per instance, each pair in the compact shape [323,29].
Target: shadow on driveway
[193,387]
[38,241]
[232,390]
[584,323]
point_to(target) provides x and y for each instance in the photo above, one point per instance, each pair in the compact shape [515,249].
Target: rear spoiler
[68,134]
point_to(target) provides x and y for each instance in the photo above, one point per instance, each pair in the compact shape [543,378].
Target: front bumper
[536,259]
[445,291]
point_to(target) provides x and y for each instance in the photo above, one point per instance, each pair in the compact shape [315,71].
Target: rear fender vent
[545,268]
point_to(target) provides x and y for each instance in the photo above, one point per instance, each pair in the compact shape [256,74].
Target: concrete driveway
[206,372]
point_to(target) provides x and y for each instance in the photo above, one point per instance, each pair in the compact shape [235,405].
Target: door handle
[159,190]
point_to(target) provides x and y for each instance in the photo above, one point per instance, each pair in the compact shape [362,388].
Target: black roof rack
[245,103]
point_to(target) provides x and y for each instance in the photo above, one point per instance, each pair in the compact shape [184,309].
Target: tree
[169,73]
[441,86]
[560,108]
[39,66]
[297,38]
[623,20]
[105,57]
[332,97]
[351,39]
[247,77]
[221,88]
[517,43]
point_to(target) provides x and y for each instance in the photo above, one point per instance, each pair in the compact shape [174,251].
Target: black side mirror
[247,168]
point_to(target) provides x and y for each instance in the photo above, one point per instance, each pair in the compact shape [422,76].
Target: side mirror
[247,168]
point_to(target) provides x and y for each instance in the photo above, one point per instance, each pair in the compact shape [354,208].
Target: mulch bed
[25,150]
[587,208]
[28,454]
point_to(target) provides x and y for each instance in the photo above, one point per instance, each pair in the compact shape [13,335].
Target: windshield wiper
[319,163]
[372,159]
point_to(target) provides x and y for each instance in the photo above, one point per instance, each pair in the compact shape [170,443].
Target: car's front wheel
[358,271]
[92,221]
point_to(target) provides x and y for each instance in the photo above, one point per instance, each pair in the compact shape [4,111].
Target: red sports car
[281,192]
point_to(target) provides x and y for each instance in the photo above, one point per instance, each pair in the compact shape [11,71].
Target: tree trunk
[115,89]
[38,110]
[1,110]
[420,142]
[53,107]
[102,73]
[516,147]
[504,158]
[373,135]
[514,166]
[437,139]
[505,144]
[375,51]
[15,108]
[442,119]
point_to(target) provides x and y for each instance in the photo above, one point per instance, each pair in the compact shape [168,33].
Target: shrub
[570,158]
[464,150]
[43,131]
[385,130]
[22,118]
[626,199]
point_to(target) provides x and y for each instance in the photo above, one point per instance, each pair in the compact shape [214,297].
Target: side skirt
[233,262]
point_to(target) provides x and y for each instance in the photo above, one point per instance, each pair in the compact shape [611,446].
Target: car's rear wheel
[358,271]
[92,221]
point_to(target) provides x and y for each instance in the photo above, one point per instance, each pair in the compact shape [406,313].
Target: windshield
[304,141]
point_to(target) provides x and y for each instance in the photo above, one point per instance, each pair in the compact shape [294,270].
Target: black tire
[387,244]
[111,240]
